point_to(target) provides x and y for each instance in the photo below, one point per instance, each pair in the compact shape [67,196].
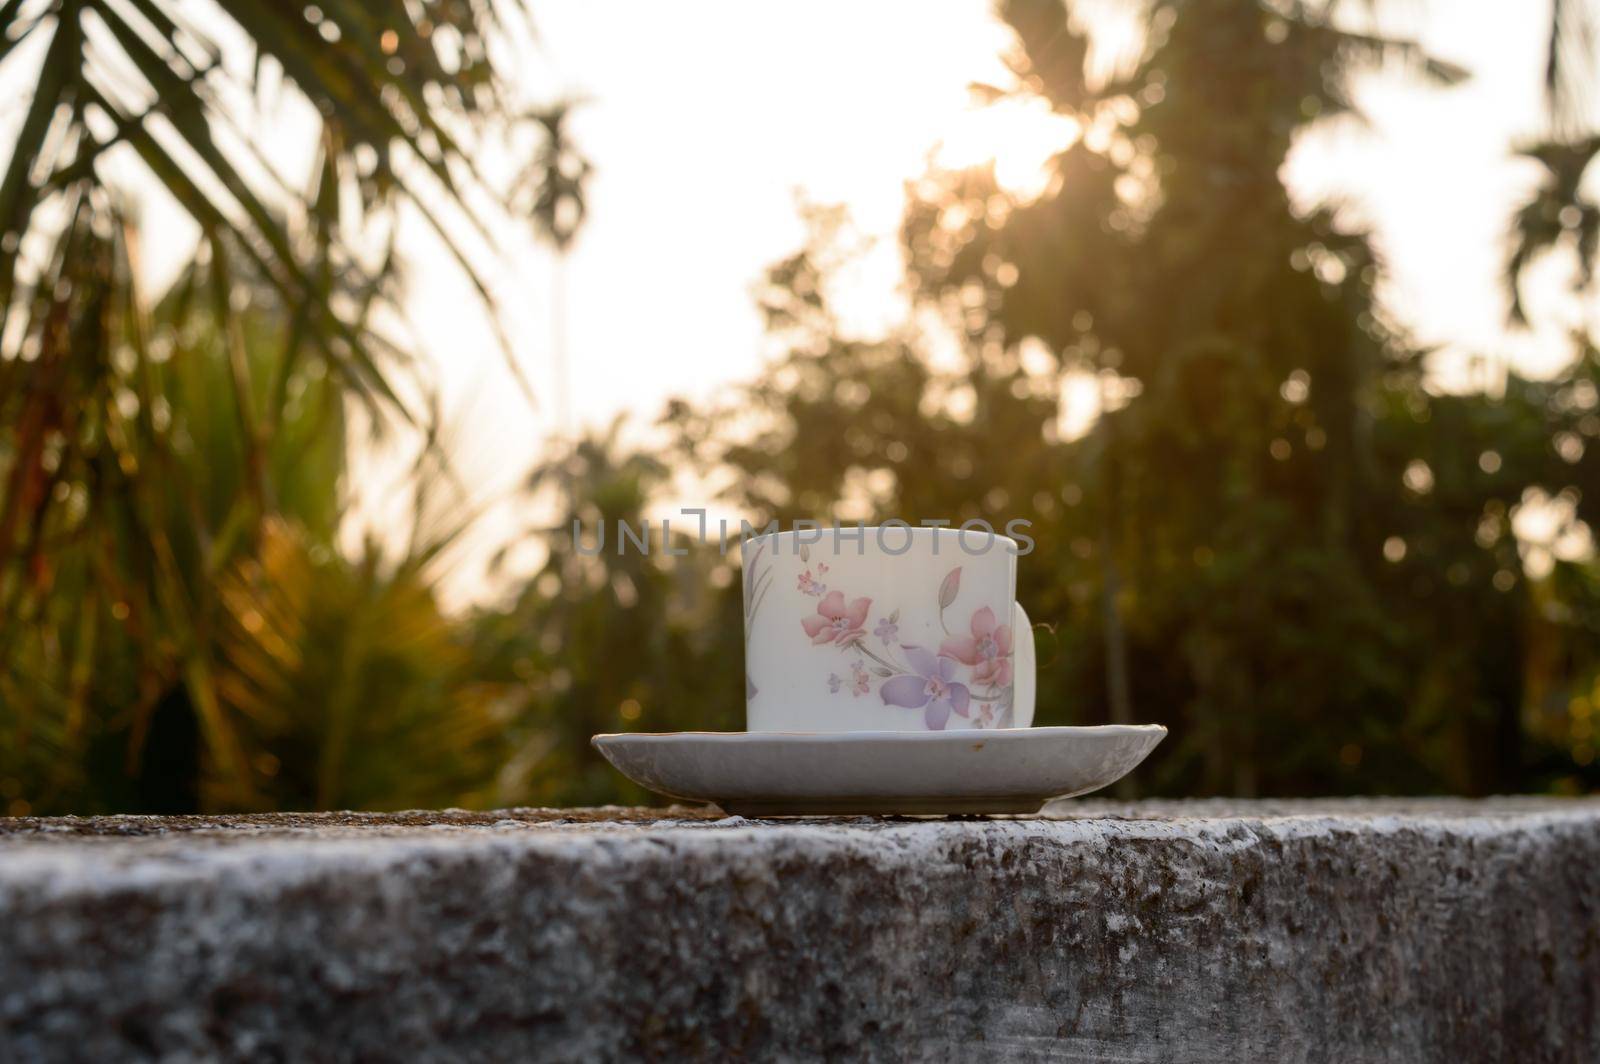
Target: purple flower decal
[987,650]
[833,683]
[834,622]
[886,630]
[932,688]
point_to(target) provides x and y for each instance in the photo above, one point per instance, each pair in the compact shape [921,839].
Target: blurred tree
[185,632]
[552,194]
[1562,213]
[357,691]
[1562,218]
[608,636]
[1268,478]
[395,87]
[1278,532]
[1305,544]
[170,473]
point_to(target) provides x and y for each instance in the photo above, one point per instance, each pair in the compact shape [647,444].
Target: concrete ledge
[1339,931]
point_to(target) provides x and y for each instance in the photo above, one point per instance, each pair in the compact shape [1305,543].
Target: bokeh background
[325,323]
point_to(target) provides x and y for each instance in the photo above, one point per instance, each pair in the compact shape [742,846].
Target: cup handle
[1024,670]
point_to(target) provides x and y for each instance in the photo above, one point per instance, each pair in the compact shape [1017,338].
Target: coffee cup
[888,628]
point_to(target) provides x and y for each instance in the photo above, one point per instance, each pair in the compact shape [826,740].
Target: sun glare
[1019,136]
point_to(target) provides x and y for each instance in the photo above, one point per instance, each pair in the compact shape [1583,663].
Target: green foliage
[608,638]
[392,97]
[178,628]
[356,690]
[1559,215]
[1281,536]
[1256,480]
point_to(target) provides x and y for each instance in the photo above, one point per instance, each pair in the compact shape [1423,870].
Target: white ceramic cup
[885,629]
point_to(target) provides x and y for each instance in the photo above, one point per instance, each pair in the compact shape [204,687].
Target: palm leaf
[374,71]
[1558,211]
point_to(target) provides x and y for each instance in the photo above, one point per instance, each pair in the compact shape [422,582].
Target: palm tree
[398,89]
[160,458]
[551,192]
[1560,213]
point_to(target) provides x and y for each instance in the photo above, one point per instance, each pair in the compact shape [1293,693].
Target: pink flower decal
[969,675]
[834,622]
[987,650]
[932,689]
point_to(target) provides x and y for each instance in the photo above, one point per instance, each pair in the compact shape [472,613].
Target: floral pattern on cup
[813,585]
[987,650]
[835,621]
[970,675]
[860,682]
[931,687]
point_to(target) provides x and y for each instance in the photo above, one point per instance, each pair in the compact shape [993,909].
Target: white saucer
[1013,770]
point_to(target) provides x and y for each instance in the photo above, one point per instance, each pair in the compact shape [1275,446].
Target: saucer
[1008,770]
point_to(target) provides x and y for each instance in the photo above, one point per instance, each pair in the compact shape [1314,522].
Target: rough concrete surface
[1319,931]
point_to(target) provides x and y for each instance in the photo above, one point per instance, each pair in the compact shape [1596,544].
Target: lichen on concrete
[1338,931]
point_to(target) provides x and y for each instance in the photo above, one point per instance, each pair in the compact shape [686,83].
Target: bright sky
[706,119]
[706,122]
[701,147]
